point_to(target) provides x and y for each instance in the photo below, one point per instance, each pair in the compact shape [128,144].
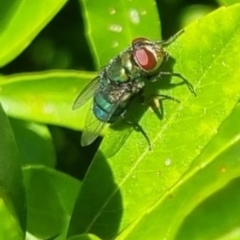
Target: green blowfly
[119,81]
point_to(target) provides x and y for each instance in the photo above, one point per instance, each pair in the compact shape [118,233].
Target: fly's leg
[162,97]
[160,74]
[136,126]
[139,128]
[189,85]
[171,39]
[158,106]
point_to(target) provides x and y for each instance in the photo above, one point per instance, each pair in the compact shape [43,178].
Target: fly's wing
[93,126]
[86,93]
[92,129]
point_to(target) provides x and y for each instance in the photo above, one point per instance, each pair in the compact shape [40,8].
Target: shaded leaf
[34,142]
[227,2]
[12,190]
[50,200]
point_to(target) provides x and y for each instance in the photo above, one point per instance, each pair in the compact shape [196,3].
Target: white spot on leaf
[115,28]
[134,16]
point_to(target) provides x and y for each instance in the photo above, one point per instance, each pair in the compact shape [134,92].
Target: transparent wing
[93,126]
[92,129]
[86,93]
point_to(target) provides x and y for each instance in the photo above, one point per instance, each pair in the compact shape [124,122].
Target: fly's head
[148,55]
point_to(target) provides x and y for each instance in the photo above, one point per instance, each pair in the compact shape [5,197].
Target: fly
[118,82]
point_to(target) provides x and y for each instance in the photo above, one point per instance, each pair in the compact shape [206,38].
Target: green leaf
[50,199]
[34,142]
[194,12]
[227,2]
[45,97]
[218,216]
[131,179]
[84,237]
[21,21]
[112,25]
[217,166]
[10,228]
[12,192]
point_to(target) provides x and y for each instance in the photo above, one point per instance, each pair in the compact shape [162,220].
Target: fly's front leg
[171,39]
[189,85]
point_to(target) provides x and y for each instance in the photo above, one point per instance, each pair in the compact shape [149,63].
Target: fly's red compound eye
[145,58]
[143,53]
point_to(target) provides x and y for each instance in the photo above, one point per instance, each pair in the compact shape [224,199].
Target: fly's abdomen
[106,111]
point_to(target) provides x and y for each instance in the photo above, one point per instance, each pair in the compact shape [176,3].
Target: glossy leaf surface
[133,178]
[20,22]
[45,97]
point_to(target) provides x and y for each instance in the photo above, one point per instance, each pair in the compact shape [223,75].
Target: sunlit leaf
[10,228]
[85,237]
[45,97]
[132,179]
[20,22]
[216,166]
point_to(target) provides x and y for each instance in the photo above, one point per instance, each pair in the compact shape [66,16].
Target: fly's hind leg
[155,102]
[137,127]
[163,97]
